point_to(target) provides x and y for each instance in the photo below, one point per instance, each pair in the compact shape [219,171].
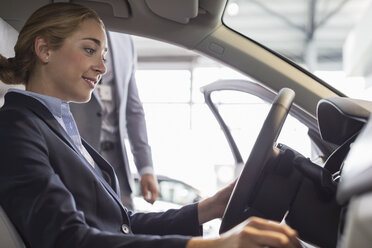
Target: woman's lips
[91,82]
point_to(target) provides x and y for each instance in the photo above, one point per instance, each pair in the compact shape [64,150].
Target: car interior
[327,203]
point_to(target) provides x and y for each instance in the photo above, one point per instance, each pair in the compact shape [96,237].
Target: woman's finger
[267,225]
[269,238]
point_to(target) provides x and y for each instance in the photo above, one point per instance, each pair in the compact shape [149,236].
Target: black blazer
[56,199]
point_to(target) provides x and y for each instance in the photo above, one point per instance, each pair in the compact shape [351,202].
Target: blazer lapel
[113,187]
[103,165]
[42,112]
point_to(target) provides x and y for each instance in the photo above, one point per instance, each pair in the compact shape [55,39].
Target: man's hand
[149,188]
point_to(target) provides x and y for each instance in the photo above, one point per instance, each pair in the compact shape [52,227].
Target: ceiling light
[232,9]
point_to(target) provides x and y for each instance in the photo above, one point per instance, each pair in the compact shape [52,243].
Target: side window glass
[244,114]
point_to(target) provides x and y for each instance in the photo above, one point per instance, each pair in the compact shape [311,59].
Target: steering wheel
[239,206]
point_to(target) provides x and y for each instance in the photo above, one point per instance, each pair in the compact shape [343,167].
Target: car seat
[8,234]
[8,39]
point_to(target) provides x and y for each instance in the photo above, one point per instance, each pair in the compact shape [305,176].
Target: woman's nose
[101,67]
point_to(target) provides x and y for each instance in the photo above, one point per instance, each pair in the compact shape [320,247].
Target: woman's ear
[41,49]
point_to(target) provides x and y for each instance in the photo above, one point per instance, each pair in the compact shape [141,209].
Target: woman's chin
[82,99]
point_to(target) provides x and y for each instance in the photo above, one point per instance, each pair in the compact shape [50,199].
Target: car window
[186,141]
[244,115]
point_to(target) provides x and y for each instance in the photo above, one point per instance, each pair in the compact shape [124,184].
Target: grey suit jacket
[55,198]
[131,114]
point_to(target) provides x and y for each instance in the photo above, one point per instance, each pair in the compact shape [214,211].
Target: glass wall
[330,38]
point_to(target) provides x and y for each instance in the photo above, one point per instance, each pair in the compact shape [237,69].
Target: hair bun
[8,71]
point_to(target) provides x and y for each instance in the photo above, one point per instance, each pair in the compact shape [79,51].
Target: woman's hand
[254,232]
[214,207]
[258,232]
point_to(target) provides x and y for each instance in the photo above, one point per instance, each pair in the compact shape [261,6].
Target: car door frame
[249,87]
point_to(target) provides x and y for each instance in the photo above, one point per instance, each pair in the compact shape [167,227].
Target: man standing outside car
[116,112]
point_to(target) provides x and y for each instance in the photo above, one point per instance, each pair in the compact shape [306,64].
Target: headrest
[340,117]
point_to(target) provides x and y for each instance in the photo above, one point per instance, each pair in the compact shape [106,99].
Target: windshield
[330,38]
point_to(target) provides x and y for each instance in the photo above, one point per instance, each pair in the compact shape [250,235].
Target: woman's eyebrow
[98,42]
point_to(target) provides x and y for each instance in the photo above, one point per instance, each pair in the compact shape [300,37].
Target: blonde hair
[55,22]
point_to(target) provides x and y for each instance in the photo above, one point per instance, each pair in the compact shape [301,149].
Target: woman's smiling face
[75,68]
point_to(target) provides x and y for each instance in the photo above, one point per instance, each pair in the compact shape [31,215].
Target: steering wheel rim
[262,152]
